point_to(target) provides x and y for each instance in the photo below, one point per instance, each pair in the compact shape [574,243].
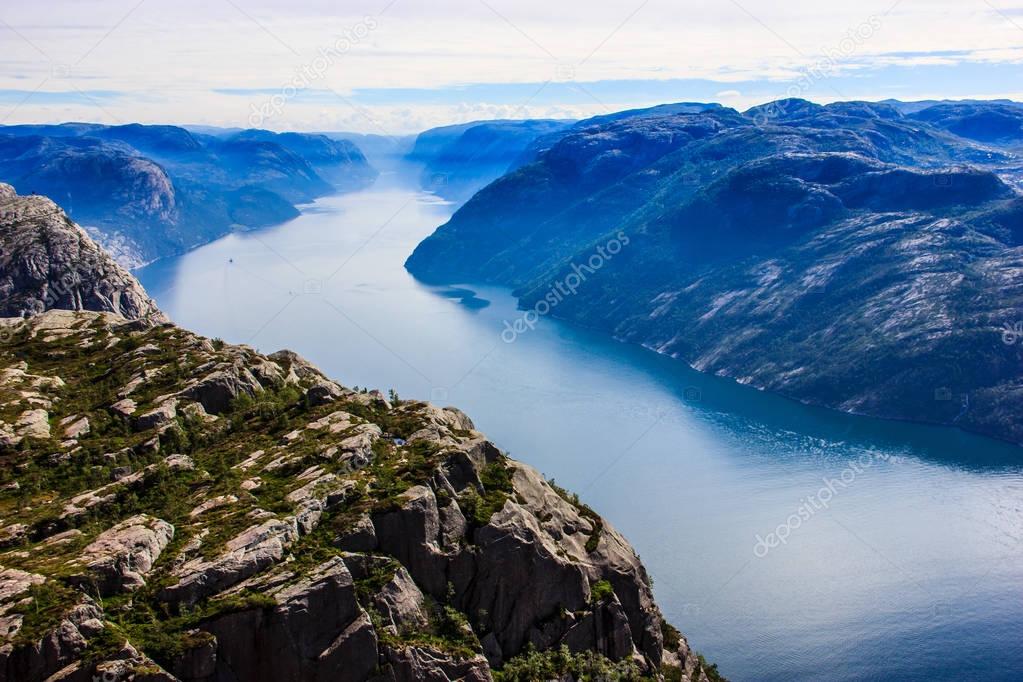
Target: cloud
[48,97]
[197,61]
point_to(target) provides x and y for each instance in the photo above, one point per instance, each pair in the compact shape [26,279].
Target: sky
[400,66]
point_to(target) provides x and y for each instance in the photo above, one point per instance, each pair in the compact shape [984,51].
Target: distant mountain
[340,162]
[985,122]
[460,159]
[386,152]
[845,255]
[146,192]
[920,105]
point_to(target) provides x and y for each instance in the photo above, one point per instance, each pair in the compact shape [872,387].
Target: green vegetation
[447,630]
[711,669]
[556,663]
[593,541]
[497,488]
[670,634]
[601,591]
[50,601]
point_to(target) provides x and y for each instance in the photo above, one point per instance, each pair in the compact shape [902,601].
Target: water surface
[911,570]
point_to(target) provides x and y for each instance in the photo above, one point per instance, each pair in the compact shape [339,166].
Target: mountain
[339,162]
[846,255]
[457,160]
[146,192]
[920,105]
[175,508]
[49,262]
[987,122]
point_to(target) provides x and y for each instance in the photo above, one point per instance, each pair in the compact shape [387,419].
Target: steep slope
[841,255]
[49,262]
[264,523]
[176,508]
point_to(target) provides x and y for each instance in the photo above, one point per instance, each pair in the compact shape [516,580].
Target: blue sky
[398,66]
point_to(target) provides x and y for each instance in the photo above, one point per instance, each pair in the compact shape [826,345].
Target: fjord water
[910,567]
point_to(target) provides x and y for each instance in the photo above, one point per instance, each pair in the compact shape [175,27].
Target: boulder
[399,603]
[356,451]
[33,424]
[14,583]
[120,557]
[415,663]
[159,416]
[359,537]
[212,503]
[323,392]
[219,389]
[75,427]
[13,534]
[248,553]
[317,631]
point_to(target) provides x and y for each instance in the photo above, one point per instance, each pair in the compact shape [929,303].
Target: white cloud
[175,54]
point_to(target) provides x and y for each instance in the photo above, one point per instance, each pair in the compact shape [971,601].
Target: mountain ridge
[747,259]
[147,192]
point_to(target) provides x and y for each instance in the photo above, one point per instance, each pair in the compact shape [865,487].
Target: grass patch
[556,664]
[601,591]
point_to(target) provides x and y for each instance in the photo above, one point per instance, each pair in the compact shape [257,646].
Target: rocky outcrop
[49,262]
[315,630]
[253,550]
[120,557]
[261,535]
[412,663]
[218,389]
[58,649]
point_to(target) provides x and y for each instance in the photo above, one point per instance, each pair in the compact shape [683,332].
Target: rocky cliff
[176,508]
[46,261]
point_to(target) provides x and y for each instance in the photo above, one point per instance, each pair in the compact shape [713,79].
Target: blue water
[908,568]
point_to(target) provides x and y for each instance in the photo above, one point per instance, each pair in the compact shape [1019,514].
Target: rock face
[49,262]
[263,534]
[119,558]
[849,255]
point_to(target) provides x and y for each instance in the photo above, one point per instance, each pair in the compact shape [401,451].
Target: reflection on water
[913,570]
